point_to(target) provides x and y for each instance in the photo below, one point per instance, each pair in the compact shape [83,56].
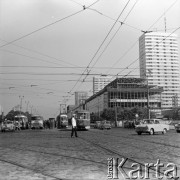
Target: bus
[22,120]
[62,121]
[83,119]
[37,122]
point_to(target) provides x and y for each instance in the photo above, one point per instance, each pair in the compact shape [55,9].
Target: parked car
[177,127]
[172,125]
[7,126]
[97,124]
[151,126]
[105,125]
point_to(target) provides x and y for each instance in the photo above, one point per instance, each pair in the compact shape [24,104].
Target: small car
[7,126]
[177,127]
[151,126]
[105,125]
[172,125]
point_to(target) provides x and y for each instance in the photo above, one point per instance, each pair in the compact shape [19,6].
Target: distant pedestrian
[17,126]
[74,126]
[48,124]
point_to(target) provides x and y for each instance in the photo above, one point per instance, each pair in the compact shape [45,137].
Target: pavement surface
[53,154]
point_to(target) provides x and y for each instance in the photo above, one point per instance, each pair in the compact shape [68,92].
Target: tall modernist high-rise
[99,82]
[159,64]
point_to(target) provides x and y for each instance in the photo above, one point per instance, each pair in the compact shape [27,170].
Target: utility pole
[149,116]
[116,112]
[27,106]
[31,110]
[98,109]
[116,93]
[148,92]
[21,97]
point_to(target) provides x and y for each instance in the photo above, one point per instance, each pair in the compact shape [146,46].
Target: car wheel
[164,131]
[151,131]
[139,133]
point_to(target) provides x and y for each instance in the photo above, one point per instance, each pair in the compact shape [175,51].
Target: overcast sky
[45,46]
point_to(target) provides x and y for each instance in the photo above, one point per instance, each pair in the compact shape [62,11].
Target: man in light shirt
[73,126]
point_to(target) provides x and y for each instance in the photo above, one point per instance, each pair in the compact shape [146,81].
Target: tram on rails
[22,121]
[62,121]
[83,119]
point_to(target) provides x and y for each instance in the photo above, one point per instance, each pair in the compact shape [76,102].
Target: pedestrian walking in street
[17,126]
[74,126]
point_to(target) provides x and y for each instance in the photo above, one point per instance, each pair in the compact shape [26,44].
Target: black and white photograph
[89,89]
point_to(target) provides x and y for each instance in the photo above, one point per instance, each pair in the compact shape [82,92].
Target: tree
[11,114]
[108,114]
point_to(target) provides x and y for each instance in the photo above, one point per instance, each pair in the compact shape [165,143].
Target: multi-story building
[99,82]
[159,64]
[126,93]
[80,97]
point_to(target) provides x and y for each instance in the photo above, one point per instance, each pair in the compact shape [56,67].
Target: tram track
[122,156]
[145,147]
[152,142]
[53,154]
[81,138]
[31,169]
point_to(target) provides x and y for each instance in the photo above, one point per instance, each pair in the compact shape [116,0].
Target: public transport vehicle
[83,119]
[22,120]
[37,122]
[62,121]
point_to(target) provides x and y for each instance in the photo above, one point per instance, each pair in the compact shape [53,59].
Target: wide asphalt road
[53,154]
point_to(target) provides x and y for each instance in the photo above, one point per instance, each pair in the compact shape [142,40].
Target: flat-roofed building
[159,64]
[126,93]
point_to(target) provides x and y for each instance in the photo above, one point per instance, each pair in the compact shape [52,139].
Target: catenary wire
[61,67]
[48,25]
[100,46]
[137,39]
[34,51]
[153,47]
[51,74]
[108,43]
[114,35]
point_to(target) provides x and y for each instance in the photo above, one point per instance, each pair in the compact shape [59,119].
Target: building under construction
[126,93]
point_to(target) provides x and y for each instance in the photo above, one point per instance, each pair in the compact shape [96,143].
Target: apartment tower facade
[99,82]
[159,64]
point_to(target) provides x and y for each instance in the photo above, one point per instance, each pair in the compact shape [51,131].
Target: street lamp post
[148,107]
[27,105]
[21,98]
[31,110]
[115,110]
[98,109]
